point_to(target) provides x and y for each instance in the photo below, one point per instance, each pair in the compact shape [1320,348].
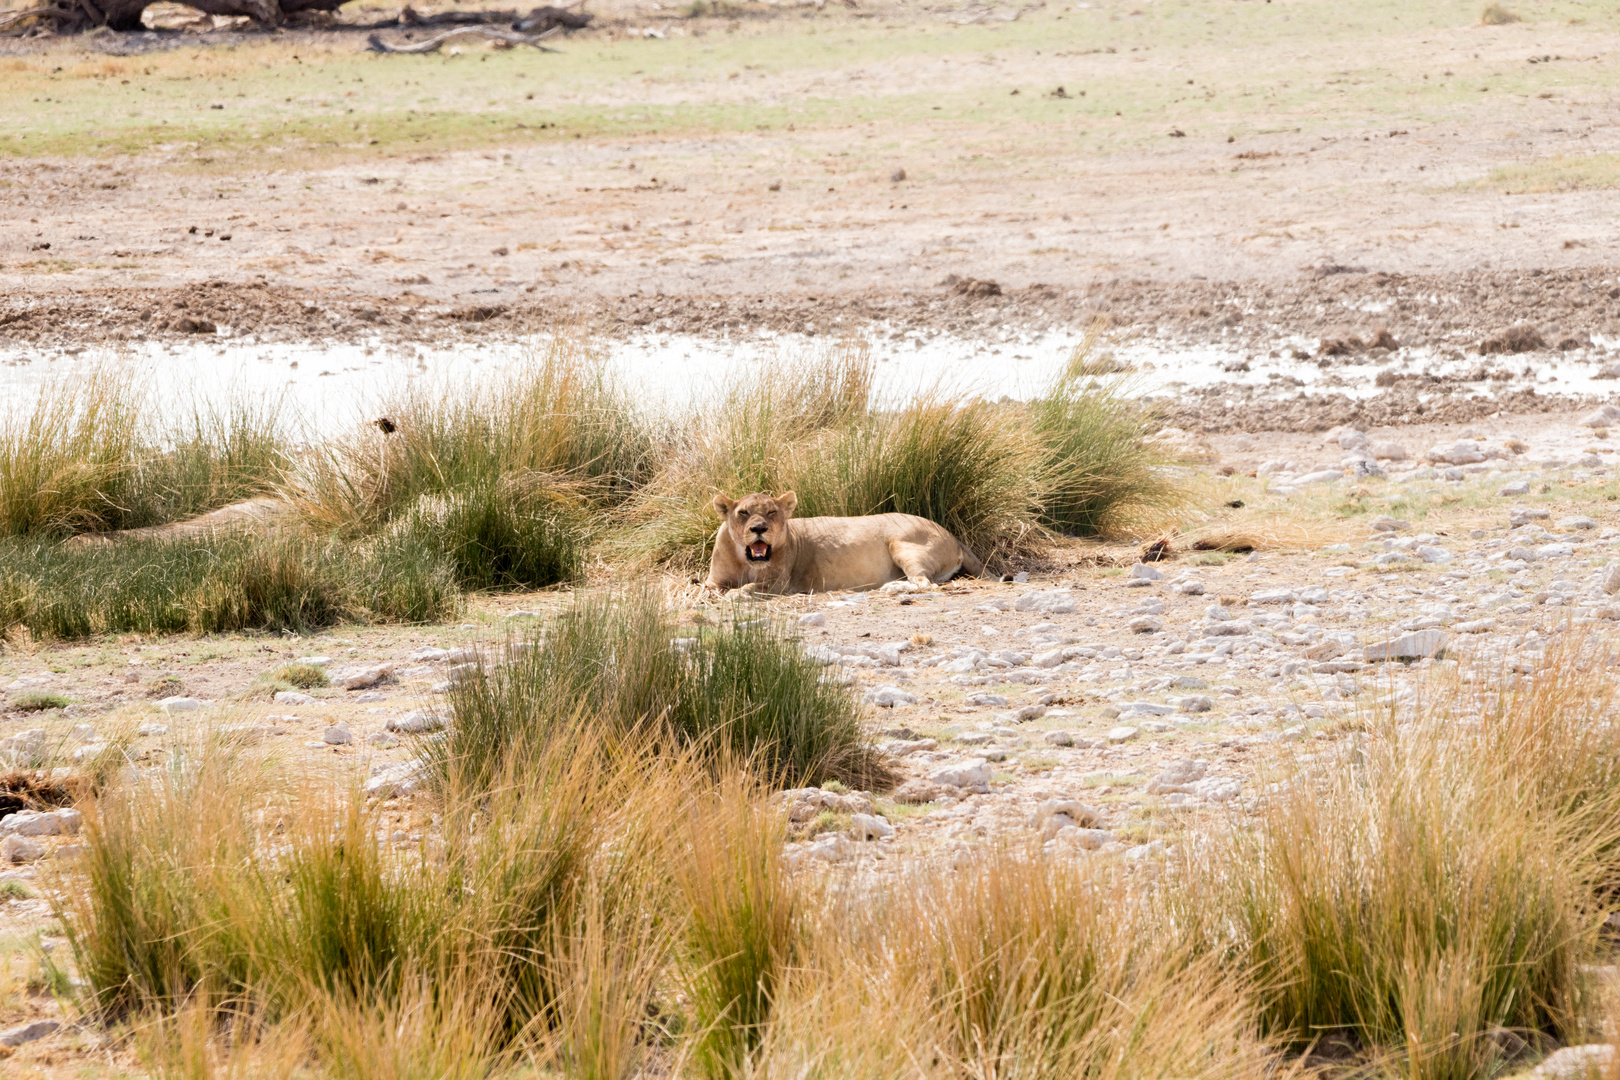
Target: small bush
[744,689]
[303,676]
[1496,15]
[499,535]
[39,701]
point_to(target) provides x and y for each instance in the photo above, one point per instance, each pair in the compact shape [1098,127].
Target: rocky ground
[1103,705]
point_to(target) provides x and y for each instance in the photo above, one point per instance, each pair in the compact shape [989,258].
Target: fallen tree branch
[432,44]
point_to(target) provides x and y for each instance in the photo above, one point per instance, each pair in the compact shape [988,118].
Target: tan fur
[255,514]
[827,554]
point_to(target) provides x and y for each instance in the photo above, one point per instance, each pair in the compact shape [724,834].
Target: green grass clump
[501,477]
[744,689]
[739,943]
[93,454]
[197,897]
[69,591]
[39,701]
[1075,460]
[1419,903]
[302,676]
[1099,467]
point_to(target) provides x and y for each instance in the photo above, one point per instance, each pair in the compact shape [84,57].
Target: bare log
[432,44]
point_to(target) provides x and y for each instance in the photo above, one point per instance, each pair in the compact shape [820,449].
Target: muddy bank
[1341,312]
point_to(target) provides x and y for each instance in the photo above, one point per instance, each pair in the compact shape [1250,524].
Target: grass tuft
[212,586]
[302,676]
[1496,15]
[39,701]
[1414,901]
[745,689]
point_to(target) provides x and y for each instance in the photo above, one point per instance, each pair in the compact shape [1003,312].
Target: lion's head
[757,523]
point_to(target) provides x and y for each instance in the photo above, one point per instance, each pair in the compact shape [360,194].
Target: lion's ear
[723,506]
[788,500]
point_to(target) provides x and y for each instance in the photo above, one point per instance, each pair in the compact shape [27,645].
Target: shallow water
[331,385]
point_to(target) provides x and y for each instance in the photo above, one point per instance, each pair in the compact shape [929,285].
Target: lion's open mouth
[759,551]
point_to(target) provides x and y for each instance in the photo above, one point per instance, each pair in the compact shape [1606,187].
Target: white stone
[815,618]
[293,697]
[27,1033]
[1145,624]
[1195,703]
[1388,451]
[149,731]
[1555,551]
[1605,416]
[1274,596]
[868,827]
[1517,487]
[382,740]
[1051,601]
[1430,554]
[415,723]
[1059,738]
[972,775]
[365,678]
[887,697]
[20,849]
[179,704]
[1475,626]
[1122,734]
[1414,646]
[1461,452]
[1323,476]
[1385,523]
[1576,1062]
[1577,522]
[1147,572]
[397,779]
[314,661]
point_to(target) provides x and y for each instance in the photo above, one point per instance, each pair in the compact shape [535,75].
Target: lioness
[762,547]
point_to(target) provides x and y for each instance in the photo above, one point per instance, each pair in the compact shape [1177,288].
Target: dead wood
[432,44]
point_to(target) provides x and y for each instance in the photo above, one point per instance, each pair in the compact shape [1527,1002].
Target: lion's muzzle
[758,551]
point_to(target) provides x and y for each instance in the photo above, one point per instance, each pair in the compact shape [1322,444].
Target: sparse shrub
[303,676]
[39,701]
[499,535]
[745,689]
[1496,15]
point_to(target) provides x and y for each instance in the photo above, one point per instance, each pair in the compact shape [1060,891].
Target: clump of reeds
[504,476]
[94,454]
[1076,459]
[744,688]
[1414,901]
[1100,467]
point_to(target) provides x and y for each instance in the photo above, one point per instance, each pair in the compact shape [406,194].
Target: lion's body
[827,554]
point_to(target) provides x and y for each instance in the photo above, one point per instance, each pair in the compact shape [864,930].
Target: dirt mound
[1515,339]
